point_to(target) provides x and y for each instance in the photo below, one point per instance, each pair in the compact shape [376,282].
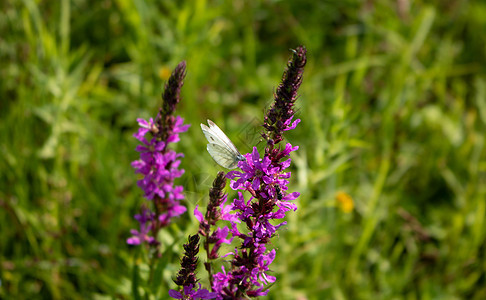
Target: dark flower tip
[171,95]
[216,198]
[216,193]
[213,211]
[187,274]
[279,117]
[299,56]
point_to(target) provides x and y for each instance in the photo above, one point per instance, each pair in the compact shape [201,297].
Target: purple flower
[189,293]
[263,262]
[145,219]
[292,126]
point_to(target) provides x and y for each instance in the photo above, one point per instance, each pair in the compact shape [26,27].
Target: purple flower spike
[263,199]
[159,165]
[216,210]
[266,179]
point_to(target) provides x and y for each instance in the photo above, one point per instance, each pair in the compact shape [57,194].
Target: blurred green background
[391,165]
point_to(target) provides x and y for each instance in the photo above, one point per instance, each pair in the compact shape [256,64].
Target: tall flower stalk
[159,166]
[263,197]
[217,210]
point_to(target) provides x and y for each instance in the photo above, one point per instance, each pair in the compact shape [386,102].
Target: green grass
[393,109]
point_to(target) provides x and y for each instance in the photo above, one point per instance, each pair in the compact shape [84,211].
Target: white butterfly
[220,147]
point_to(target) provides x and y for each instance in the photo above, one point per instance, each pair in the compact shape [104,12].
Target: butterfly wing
[222,137]
[220,147]
[211,136]
[222,156]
